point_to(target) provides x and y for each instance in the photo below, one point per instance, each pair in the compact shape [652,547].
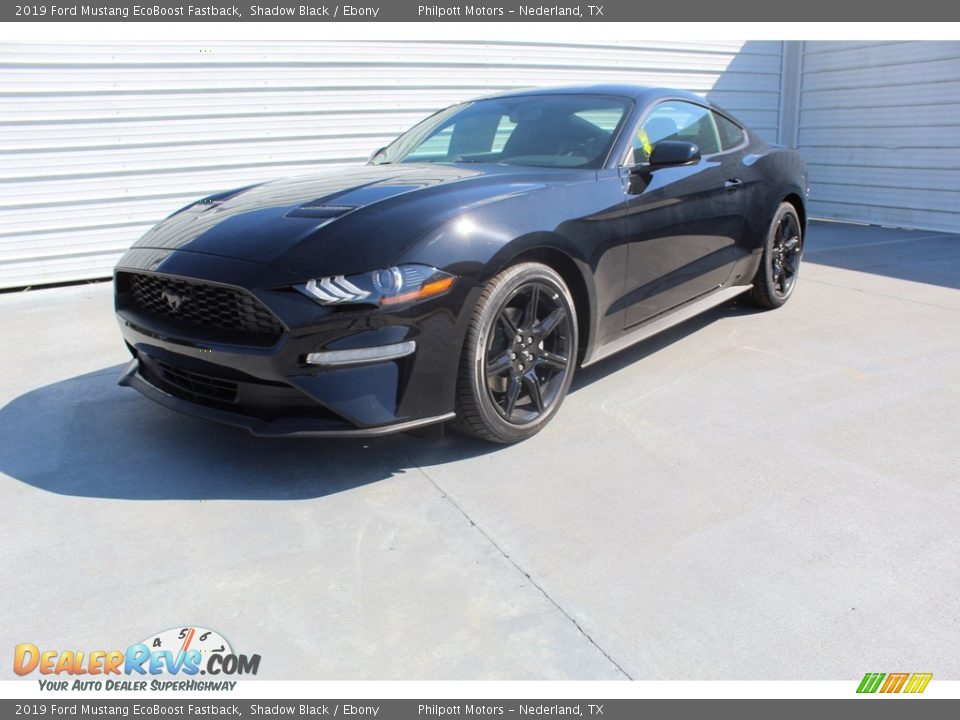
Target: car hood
[340,222]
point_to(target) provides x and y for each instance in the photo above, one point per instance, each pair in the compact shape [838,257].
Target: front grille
[224,389]
[197,305]
[197,384]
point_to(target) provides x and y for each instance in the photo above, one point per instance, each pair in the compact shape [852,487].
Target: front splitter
[298,427]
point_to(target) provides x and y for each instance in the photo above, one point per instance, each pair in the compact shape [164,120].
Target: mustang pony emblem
[173,299]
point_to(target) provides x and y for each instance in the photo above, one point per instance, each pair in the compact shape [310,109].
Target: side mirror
[373,156]
[674,152]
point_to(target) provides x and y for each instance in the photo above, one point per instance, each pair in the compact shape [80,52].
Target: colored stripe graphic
[894,682]
[870,682]
[918,682]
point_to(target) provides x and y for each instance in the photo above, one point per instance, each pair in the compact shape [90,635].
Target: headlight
[390,286]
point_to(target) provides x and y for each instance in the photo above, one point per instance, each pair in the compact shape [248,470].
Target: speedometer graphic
[180,641]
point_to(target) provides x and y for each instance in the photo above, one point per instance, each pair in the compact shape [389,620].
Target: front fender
[578,228]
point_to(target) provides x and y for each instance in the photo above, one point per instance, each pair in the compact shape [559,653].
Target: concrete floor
[754,495]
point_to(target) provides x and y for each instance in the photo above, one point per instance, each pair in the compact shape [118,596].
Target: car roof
[641,93]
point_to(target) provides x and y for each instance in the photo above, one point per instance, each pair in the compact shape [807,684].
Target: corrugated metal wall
[100,141]
[880,129]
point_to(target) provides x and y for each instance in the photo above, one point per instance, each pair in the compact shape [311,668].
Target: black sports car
[466,270]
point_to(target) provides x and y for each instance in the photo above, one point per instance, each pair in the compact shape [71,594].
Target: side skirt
[664,321]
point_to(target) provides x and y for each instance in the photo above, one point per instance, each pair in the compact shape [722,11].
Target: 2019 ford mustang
[466,270]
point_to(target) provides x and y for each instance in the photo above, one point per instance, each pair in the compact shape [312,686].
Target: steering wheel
[588,148]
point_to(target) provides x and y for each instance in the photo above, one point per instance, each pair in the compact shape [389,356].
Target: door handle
[732,184]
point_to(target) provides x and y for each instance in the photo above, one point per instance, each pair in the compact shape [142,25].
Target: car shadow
[88,437]
[919,256]
[639,351]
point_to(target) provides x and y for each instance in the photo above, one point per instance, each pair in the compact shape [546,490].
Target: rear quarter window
[731,134]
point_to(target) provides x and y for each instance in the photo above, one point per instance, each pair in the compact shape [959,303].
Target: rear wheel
[780,266]
[519,355]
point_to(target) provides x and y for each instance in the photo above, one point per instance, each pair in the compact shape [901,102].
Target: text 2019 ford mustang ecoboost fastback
[466,270]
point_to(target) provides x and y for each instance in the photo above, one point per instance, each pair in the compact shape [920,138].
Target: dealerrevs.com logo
[170,660]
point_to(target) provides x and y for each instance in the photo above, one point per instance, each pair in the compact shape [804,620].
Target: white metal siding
[880,128]
[100,141]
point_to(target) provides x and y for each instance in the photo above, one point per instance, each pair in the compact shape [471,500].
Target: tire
[516,366]
[776,278]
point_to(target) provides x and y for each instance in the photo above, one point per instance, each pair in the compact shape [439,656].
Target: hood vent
[319,209]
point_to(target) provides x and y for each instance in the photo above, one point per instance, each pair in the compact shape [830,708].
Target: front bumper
[280,427]
[273,390]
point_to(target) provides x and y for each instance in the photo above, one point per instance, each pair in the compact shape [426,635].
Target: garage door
[879,126]
[101,141]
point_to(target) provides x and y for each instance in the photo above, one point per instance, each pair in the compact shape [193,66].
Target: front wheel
[780,265]
[519,354]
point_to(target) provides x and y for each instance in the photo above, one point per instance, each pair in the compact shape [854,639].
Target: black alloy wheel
[776,277]
[528,353]
[519,356]
[785,258]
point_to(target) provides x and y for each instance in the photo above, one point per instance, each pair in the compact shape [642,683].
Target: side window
[676,120]
[731,134]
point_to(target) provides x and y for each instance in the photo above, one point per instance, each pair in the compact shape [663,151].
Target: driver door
[682,221]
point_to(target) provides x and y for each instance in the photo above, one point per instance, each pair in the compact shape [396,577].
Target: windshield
[570,131]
